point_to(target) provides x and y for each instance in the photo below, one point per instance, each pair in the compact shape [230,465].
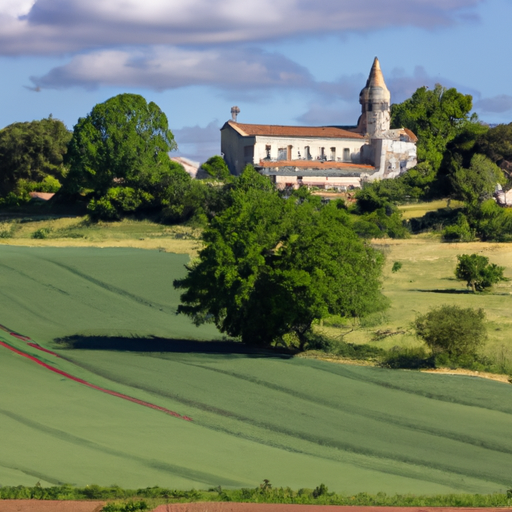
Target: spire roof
[376,79]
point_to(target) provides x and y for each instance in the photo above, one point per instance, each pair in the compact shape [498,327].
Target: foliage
[381,223]
[272,266]
[217,168]
[41,233]
[397,265]
[124,143]
[30,154]
[129,506]
[478,273]
[269,494]
[436,116]
[496,143]
[452,330]
[478,183]
[461,231]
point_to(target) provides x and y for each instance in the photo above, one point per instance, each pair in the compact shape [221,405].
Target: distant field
[296,422]
[427,280]
[79,232]
[419,209]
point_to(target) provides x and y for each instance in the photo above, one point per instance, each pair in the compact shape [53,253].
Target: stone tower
[374,99]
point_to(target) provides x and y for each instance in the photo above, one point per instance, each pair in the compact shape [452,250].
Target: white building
[326,156]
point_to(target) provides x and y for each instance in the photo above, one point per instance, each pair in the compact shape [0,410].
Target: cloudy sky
[280,61]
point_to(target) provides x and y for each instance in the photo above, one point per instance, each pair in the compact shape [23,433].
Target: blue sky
[280,61]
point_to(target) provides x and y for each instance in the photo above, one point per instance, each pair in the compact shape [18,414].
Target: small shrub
[452,330]
[41,233]
[410,358]
[321,490]
[460,231]
[397,265]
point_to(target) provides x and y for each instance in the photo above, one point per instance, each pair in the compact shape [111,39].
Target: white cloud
[198,143]
[163,68]
[15,8]
[60,26]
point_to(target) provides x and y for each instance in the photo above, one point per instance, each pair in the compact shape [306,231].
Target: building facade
[325,156]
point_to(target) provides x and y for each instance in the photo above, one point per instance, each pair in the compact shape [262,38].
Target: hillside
[255,415]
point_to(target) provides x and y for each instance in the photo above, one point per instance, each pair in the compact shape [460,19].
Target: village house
[337,157]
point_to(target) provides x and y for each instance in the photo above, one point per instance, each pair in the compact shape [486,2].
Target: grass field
[255,415]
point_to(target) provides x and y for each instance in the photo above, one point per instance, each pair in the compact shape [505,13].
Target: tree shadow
[169,345]
[451,291]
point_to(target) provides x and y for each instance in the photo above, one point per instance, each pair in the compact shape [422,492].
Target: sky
[289,62]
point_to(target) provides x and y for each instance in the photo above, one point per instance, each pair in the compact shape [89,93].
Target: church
[331,157]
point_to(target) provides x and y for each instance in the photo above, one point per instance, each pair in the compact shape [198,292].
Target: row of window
[286,154]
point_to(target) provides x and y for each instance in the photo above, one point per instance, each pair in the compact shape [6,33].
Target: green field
[297,422]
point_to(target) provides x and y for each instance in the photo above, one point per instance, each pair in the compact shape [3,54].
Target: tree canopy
[119,154]
[272,266]
[478,273]
[436,116]
[31,156]
[452,330]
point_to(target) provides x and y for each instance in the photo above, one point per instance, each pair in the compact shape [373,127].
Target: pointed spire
[376,78]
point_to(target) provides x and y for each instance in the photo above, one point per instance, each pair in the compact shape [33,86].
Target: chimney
[234,113]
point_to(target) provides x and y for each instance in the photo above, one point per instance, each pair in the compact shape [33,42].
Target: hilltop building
[325,156]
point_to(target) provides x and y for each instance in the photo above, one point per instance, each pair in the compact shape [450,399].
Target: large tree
[272,266]
[30,153]
[123,144]
[436,116]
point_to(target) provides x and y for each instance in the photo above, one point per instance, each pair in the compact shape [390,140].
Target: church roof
[324,132]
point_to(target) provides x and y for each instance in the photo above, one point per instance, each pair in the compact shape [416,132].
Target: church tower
[374,99]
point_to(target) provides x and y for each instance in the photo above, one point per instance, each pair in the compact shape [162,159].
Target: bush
[452,330]
[460,231]
[41,233]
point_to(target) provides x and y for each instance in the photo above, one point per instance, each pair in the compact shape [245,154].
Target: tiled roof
[411,135]
[316,164]
[326,132]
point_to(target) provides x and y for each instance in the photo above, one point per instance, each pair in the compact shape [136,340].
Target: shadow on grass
[452,291]
[169,345]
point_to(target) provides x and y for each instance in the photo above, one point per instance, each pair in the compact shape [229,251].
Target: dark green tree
[496,143]
[436,116]
[478,183]
[124,143]
[31,156]
[272,266]
[452,330]
[478,273]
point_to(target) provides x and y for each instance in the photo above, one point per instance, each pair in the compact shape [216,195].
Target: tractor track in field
[113,289]
[77,379]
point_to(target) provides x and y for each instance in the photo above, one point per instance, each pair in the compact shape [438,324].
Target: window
[307,153]
[322,153]
[346,154]
[281,153]
[268,150]
[333,153]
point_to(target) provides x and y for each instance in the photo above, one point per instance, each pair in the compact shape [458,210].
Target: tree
[436,116]
[272,266]
[478,273]
[452,330]
[478,183]
[217,168]
[31,157]
[124,142]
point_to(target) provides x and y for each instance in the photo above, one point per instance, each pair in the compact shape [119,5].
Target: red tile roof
[315,164]
[326,132]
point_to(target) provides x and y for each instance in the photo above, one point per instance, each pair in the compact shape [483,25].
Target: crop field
[141,397]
